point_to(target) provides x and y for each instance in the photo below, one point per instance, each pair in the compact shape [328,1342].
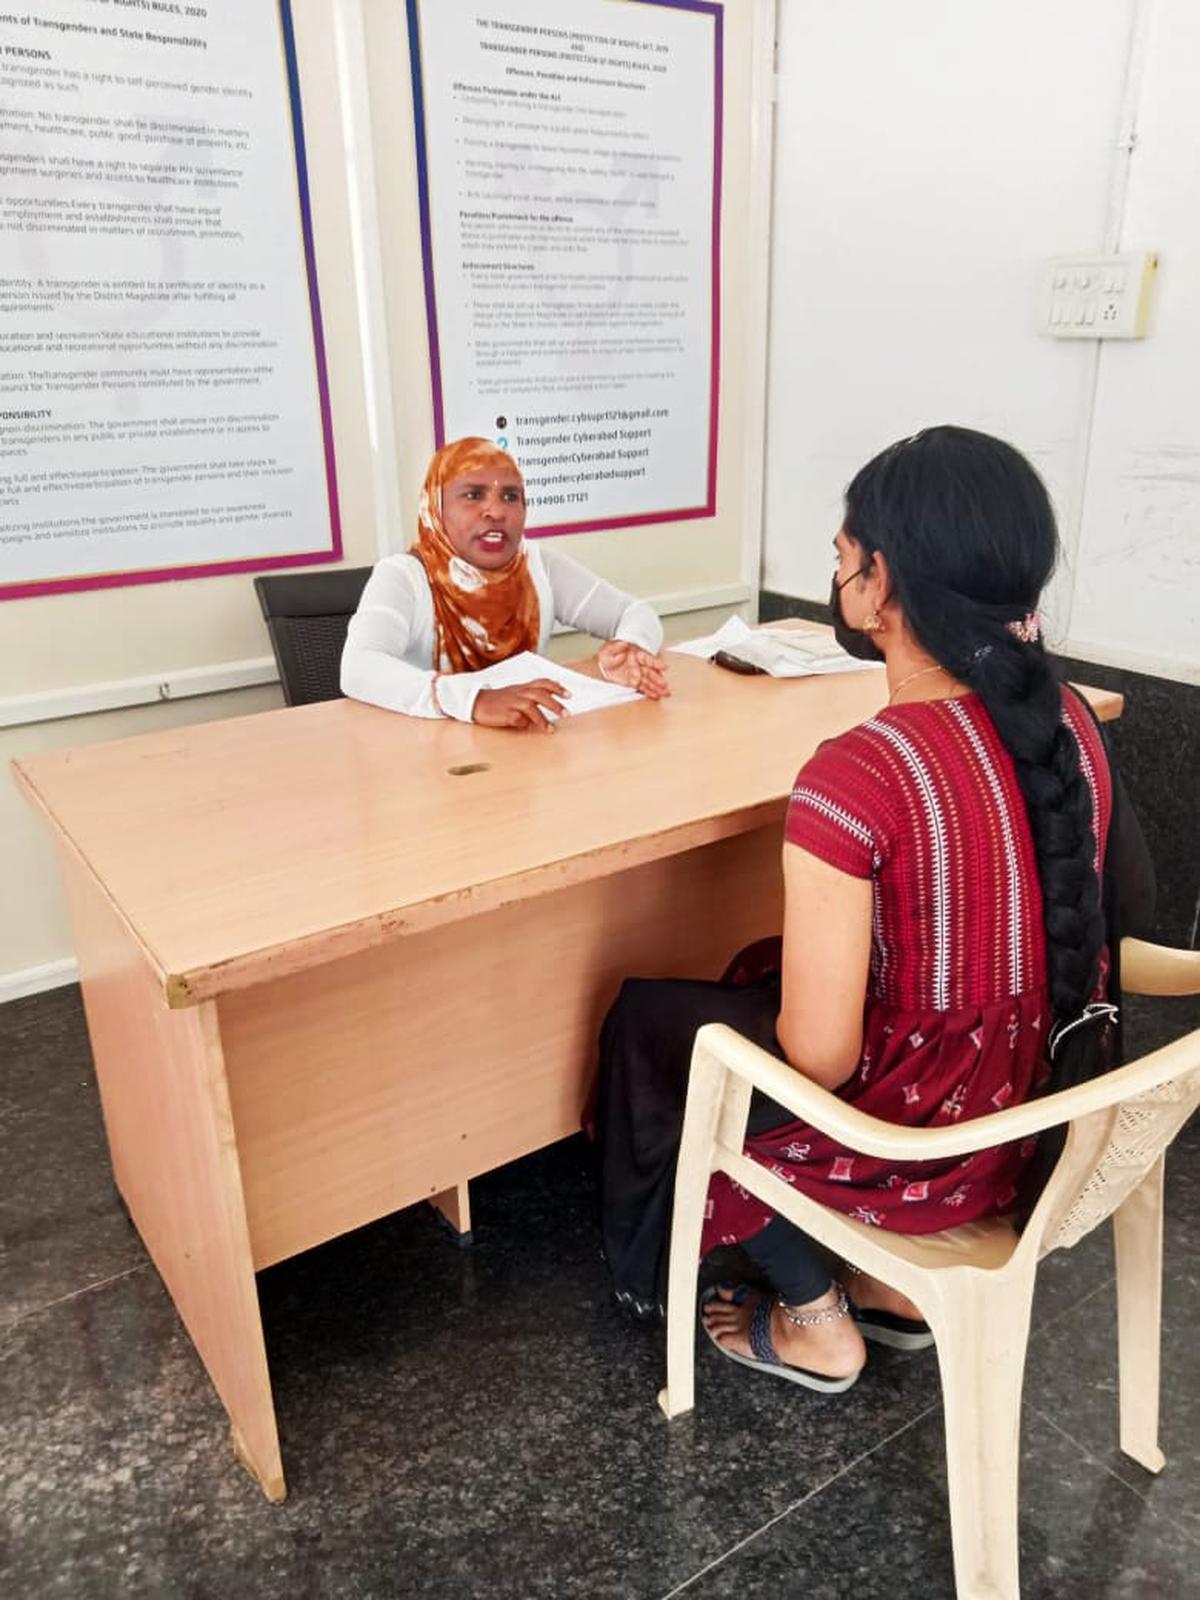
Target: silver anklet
[814,1319]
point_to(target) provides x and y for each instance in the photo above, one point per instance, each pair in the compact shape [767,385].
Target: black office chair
[307,614]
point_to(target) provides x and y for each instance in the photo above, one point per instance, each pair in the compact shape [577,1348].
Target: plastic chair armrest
[855,1129]
[1158,969]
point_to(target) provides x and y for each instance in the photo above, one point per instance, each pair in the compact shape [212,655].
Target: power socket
[1097,297]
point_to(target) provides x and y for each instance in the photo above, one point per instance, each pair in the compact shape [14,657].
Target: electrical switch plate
[1097,297]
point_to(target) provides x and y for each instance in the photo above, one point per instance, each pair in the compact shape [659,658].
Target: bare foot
[833,1349]
[872,1294]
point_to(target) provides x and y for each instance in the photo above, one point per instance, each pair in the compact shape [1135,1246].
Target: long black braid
[970,539]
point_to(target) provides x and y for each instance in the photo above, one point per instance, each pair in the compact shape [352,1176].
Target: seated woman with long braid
[471,592]
[943,920]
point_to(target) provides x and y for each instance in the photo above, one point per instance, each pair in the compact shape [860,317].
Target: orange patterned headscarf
[479,617]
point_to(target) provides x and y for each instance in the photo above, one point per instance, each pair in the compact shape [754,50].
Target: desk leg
[454,1208]
[175,1157]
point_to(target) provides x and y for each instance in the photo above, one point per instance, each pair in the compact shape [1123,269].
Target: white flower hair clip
[1027,628]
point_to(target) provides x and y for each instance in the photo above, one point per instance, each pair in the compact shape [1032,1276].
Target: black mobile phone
[736,664]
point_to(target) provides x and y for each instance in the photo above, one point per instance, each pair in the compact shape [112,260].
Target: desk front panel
[390,1076]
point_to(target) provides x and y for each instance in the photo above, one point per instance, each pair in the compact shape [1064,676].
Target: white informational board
[164,409]
[569,163]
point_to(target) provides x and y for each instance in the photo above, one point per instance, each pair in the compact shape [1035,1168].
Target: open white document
[794,651]
[587,694]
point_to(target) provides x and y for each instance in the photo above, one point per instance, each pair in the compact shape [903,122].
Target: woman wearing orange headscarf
[471,592]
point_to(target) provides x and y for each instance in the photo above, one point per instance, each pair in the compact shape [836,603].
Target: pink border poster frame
[330,552]
[714,9]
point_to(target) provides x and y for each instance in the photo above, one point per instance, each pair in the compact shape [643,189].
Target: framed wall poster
[569,168]
[164,405]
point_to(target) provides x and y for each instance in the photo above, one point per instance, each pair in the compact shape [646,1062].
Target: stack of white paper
[587,694]
[791,652]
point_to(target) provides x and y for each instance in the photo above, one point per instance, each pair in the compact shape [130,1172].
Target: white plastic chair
[973,1284]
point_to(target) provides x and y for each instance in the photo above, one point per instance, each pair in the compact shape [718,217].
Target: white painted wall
[929,157]
[1137,588]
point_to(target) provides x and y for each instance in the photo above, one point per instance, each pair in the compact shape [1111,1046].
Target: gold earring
[873,624]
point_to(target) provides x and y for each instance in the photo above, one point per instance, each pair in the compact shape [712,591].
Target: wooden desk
[335,961]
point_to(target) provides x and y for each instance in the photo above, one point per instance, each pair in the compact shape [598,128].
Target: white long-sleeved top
[388,658]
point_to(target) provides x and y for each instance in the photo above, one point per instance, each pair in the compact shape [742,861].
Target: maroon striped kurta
[923,800]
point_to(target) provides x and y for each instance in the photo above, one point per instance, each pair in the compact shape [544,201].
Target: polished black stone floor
[482,1423]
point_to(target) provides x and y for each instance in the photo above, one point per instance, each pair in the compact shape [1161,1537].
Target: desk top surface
[241,850]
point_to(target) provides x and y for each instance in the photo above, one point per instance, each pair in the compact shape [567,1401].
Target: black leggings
[795,1265]
[645,1057]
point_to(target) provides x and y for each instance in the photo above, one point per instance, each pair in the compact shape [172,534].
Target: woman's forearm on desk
[374,669]
[384,680]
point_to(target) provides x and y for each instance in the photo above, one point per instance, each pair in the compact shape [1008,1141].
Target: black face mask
[852,640]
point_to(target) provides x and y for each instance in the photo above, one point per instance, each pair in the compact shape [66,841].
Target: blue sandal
[766,1358]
